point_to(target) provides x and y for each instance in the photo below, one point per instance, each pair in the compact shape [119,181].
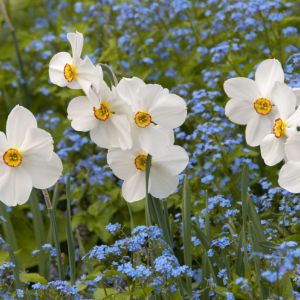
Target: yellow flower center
[263,106]
[279,128]
[140,162]
[70,72]
[13,157]
[103,112]
[142,119]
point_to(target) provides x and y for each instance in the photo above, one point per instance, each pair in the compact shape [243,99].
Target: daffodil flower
[251,101]
[284,126]
[289,175]
[151,105]
[72,71]
[104,115]
[27,159]
[130,166]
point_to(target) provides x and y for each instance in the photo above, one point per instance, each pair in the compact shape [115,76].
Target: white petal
[272,149]
[267,73]
[121,163]
[153,140]
[101,135]
[44,173]
[239,111]
[122,130]
[37,143]
[88,75]
[76,41]
[3,143]
[56,68]
[292,147]
[257,128]
[241,88]
[168,110]
[93,97]
[284,98]
[294,119]
[3,147]
[127,88]
[134,188]
[289,177]
[162,184]
[174,161]
[297,93]
[170,134]
[15,186]
[80,112]
[19,121]
[146,97]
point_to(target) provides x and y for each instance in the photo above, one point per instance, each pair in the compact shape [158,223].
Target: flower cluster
[132,119]
[144,243]
[271,111]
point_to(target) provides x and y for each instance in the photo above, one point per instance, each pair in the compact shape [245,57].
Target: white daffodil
[289,175]
[27,158]
[251,101]
[130,166]
[284,126]
[151,106]
[104,115]
[72,71]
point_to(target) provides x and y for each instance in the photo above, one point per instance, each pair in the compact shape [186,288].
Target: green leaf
[286,287]
[32,277]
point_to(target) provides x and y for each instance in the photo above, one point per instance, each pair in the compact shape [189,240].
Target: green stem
[70,239]
[130,215]
[12,30]
[54,233]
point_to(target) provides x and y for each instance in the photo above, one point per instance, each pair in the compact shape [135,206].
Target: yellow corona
[142,119]
[13,157]
[140,162]
[263,106]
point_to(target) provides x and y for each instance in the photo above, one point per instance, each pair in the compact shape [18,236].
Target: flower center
[13,157]
[103,112]
[142,119]
[279,128]
[70,72]
[263,106]
[140,162]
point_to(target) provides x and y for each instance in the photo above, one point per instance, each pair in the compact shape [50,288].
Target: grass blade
[39,232]
[10,238]
[54,231]
[70,238]
[244,193]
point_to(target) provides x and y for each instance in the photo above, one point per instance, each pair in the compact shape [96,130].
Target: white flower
[104,115]
[151,105]
[251,101]
[289,175]
[273,145]
[26,158]
[130,166]
[72,71]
